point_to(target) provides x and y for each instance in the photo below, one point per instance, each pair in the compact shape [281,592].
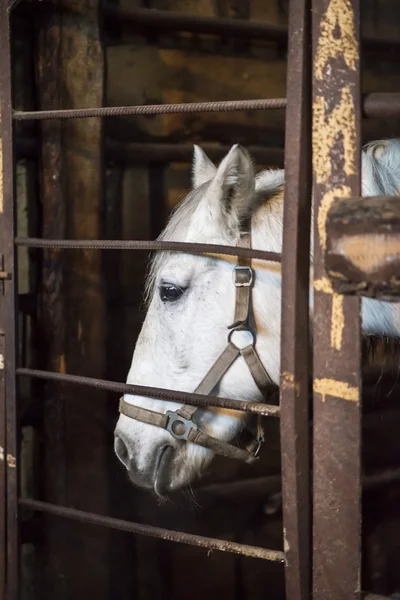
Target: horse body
[191,304]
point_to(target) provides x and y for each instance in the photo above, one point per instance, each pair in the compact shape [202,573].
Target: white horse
[191,303]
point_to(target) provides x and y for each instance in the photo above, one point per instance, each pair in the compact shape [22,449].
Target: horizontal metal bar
[128,153]
[142,20]
[185,247]
[261,487]
[375,597]
[168,21]
[376,105]
[382,105]
[155,532]
[381,479]
[266,410]
[152,109]
[145,152]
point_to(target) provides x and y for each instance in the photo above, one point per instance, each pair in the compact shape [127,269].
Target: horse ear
[203,169]
[234,184]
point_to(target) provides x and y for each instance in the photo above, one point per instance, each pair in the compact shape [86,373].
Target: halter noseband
[181,423]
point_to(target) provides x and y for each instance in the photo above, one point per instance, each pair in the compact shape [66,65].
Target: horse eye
[170,292]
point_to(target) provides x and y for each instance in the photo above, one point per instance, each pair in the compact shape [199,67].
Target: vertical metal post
[337,356]
[294,383]
[7,300]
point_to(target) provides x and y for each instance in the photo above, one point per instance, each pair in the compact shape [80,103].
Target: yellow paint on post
[336,389]
[337,322]
[327,127]
[337,37]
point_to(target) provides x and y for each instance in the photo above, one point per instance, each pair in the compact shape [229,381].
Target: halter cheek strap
[181,424]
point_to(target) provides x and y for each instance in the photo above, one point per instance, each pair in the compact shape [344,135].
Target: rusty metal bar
[2,455]
[382,105]
[145,152]
[127,153]
[152,109]
[155,532]
[337,347]
[7,309]
[187,247]
[142,20]
[376,105]
[294,378]
[258,408]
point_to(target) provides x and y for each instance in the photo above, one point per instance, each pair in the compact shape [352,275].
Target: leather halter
[181,424]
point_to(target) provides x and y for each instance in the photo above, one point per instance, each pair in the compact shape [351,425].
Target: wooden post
[70,74]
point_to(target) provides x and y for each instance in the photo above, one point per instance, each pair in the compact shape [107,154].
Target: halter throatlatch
[181,424]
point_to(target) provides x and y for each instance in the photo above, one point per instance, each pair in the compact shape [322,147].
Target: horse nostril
[121,451]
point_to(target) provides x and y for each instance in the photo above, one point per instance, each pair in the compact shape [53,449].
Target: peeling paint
[323,285]
[288,382]
[336,389]
[340,123]
[1,454]
[323,209]
[337,37]
[337,322]
[11,461]
[1,362]
[286,545]
[337,317]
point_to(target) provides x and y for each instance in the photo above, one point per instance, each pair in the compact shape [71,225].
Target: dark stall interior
[80,311]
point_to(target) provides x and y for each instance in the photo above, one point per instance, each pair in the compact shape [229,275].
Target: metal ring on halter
[178,426]
[246,329]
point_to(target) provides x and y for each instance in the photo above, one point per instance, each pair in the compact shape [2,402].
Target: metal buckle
[174,421]
[249,271]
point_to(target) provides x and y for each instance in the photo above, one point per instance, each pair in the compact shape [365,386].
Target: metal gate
[320,111]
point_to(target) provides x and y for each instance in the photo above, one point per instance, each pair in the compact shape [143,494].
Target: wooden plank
[337,352]
[363,247]
[70,73]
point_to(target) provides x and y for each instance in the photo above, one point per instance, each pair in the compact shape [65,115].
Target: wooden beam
[70,73]
[363,247]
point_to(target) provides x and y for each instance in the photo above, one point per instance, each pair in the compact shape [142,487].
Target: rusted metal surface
[188,247]
[8,310]
[2,456]
[157,532]
[363,247]
[258,408]
[382,105]
[294,380]
[152,109]
[337,352]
